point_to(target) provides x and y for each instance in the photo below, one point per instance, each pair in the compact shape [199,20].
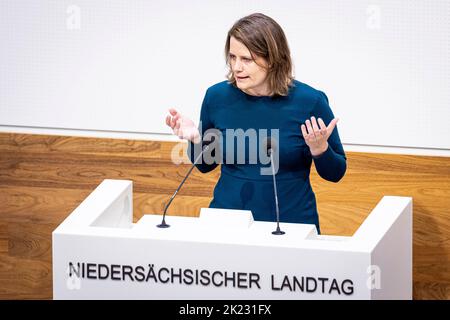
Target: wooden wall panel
[44,178]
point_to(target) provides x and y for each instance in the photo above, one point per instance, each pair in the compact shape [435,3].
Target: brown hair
[264,37]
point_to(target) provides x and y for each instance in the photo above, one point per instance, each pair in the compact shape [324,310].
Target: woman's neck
[265,92]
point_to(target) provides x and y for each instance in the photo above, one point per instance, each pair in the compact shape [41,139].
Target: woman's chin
[241,86]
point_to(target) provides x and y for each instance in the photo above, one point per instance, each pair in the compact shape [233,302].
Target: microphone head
[269,144]
[210,138]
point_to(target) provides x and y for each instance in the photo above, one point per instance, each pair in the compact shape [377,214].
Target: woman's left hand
[316,134]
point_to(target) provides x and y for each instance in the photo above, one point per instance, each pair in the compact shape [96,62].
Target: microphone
[270,147]
[206,145]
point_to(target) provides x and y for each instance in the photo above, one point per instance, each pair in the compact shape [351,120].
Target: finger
[315,126]
[173,111]
[332,125]
[175,118]
[178,131]
[196,138]
[304,132]
[307,136]
[310,129]
[322,126]
[172,122]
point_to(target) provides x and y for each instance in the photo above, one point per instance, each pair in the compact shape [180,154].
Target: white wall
[115,66]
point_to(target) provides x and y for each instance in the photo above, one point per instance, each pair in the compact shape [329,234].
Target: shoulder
[306,94]
[222,93]
[313,100]
[223,88]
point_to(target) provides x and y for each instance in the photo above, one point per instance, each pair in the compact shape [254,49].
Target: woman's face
[250,76]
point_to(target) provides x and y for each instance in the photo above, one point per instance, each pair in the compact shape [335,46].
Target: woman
[261,94]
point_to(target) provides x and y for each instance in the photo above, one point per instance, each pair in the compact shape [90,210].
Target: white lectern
[99,253]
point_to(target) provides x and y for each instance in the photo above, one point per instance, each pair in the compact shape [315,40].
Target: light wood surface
[44,178]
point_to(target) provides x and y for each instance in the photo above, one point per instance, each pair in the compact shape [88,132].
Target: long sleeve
[242,185]
[332,164]
[195,149]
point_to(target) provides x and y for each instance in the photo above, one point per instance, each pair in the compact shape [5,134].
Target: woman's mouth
[241,78]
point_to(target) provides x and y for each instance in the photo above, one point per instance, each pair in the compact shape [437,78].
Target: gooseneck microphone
[270,147]
[163,224]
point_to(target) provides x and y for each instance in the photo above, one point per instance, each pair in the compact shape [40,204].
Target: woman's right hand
[182,126]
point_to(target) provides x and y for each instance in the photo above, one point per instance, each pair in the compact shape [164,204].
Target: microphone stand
[277,231]
[163,224]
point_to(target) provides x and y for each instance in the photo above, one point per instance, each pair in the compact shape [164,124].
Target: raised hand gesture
[316,134]
[182,126]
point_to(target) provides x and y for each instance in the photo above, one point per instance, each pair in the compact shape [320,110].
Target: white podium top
[107,212]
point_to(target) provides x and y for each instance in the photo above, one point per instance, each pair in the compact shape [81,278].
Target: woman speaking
[261,95]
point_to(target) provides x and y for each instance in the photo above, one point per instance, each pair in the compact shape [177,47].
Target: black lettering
[273,286]
[115,272]
[347,290]
[242,280]
[105,268]
[286,283]
[91,272]
[151,273]
[220,283]
[204,274]
[140,273]
[127,271]
[187,274]
[308,281]
[232,278]
[254,279]
[298,284]
[323,283]
[334,286]
[72,269]
[175,275]
[159,275]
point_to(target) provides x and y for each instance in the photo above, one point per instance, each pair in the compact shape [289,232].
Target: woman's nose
[237,66]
